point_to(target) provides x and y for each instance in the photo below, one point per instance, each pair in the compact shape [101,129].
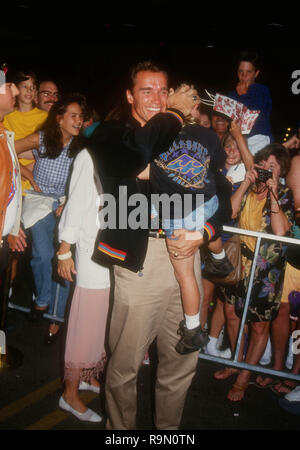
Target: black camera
[263,175]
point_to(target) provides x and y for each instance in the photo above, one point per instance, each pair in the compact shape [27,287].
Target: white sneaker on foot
[267,356]
[225,353]
[211,350]
[290,356]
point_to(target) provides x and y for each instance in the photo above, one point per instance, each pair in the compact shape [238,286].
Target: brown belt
[159,234]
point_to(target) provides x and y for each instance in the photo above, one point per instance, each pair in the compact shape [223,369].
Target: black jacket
[121,150]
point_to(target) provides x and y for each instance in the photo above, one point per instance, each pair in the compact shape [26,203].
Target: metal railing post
[234,362]
[249,290]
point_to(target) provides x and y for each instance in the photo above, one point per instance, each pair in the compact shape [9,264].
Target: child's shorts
[195,220]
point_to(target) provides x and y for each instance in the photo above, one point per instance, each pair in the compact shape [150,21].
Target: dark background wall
[89,50]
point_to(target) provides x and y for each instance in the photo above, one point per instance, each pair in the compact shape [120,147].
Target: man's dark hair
[148,66]
[281,154]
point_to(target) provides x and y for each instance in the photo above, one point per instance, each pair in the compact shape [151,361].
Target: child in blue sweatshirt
[254,96]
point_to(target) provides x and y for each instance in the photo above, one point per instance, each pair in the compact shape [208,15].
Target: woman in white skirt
[84,353]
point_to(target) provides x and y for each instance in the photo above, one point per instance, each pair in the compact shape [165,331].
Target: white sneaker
[290,357]
[211,350]
[83,386]
[88,416]
[267,356]
[219,353]
[294,395]
[225,353]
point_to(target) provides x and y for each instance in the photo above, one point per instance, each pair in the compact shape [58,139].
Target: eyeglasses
[50,94]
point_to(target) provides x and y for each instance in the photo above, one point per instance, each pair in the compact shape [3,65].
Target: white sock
[211,347]
[192,321]
[219,255]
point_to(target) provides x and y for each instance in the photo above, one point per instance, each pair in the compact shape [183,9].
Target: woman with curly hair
[262,203]
[53,148]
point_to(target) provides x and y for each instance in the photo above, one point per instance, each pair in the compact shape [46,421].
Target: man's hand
[185,244]
[184,99]
[17,243]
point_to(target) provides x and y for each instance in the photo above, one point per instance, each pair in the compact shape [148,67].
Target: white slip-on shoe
[294,395]
[88,416]
[84,386]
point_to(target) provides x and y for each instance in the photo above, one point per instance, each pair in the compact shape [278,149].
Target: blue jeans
[50,292]
[195,220]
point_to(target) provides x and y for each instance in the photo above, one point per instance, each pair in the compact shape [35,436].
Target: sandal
[270,384]
[237,392]
[283,387]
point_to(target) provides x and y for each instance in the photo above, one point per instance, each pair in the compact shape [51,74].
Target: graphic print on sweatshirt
[185,163]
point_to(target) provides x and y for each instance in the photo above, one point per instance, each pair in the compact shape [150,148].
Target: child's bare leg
[184,273]
[216,246]
[193,337]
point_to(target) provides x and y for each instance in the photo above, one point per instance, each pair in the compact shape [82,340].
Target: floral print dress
[269,272]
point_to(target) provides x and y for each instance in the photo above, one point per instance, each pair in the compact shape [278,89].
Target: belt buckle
[159,234]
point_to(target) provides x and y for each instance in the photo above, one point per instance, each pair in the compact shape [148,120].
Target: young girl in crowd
[54,149]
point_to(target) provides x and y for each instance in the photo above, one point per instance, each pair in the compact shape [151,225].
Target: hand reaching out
[235,130]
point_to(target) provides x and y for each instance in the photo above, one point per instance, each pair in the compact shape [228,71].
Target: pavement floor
[29,393]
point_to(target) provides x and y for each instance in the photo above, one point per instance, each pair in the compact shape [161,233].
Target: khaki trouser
[146,307]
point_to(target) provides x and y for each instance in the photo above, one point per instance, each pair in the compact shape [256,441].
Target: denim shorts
[195,220]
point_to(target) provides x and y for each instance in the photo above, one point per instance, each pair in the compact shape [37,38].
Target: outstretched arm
[246,155]
[24,146]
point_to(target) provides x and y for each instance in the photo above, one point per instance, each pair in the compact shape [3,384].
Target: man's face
[47,95]
[149,95]
[8,93]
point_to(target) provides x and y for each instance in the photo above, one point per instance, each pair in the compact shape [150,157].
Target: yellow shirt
[23,124]
[250,218]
